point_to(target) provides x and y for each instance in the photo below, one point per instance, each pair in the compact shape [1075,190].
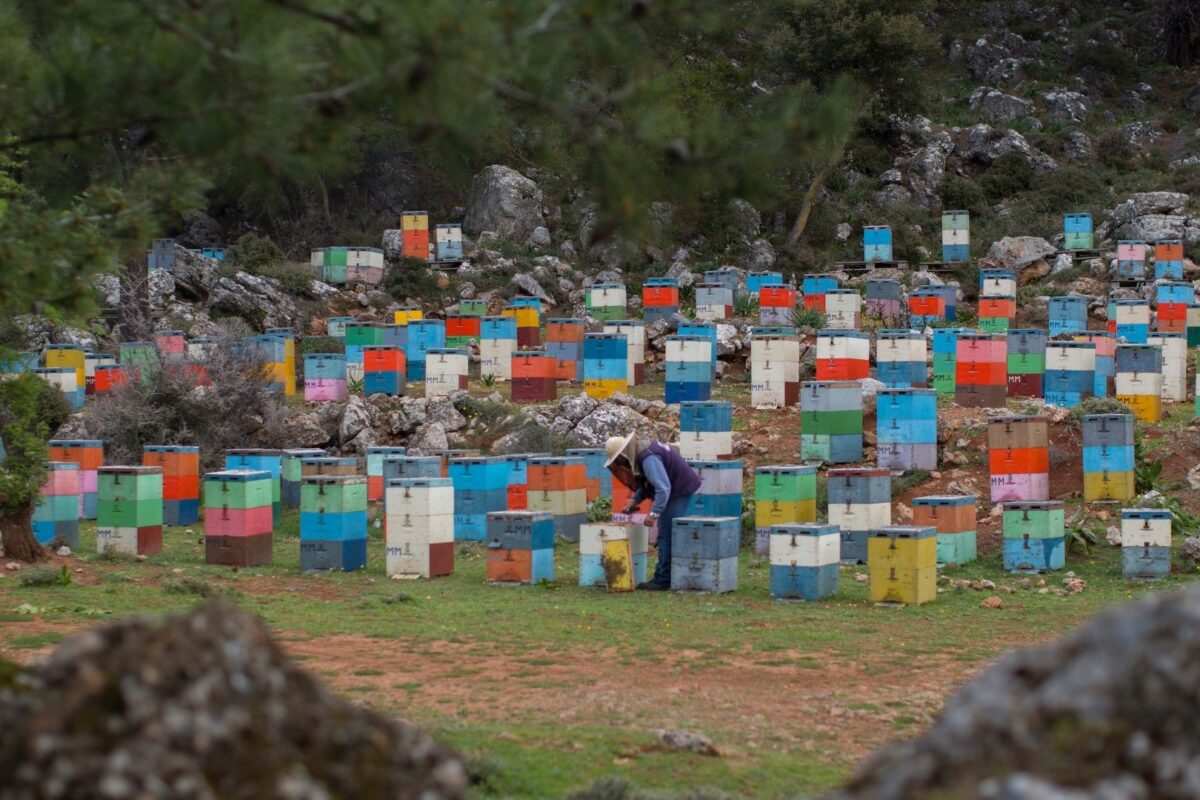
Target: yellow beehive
[1146,407]
[601,388]
[404,316]
[902,565]
[414,222]
[67,358]
[1107,486]
[769,513]
[617,560]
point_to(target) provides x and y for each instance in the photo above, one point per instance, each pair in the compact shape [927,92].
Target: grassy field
[548,688]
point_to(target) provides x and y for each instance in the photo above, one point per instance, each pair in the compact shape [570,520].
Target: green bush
[412,278]
[1115,150]
[1098,405]
[1068,189]
[260,256]
[960,193]
[322,344]
[1009,175]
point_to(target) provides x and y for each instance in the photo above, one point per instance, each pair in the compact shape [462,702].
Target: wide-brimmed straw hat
[618,446]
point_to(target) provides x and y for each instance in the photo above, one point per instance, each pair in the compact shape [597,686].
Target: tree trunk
[16,531]
[810,199]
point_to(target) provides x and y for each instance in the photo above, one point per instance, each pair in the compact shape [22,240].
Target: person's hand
[651,518]
[629,509]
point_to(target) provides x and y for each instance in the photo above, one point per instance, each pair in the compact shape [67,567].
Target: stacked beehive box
[1026,362]
[1145,543]
[268,460]
[906,429]
[237,518]
[1139,379]
[606,302]
[180,465]
[56,514]
[533,377]
[953,517]
[1070,373]
[290,473]
[843,355]
[109,378]
[997,300]
[171,345]
[707,330]
[604,549]
[783,495]
[336,326]
[314,466]
[804,561]
[1034,536]
[448,242]
[729,277]
[926,307]
[92,361]
[956,236]
[558,486]
[333,523]
[63,379]
[1132,320]
[944,367]
[88,456]
[462,329]
[689,368]
[605,364]
[1131,260]
[497,343]
[1019,458]
[423,335]
[885,299]
[475,307]
[877,243]
[1172,301]
[981,370]
[714,301]
[756,281]
[520,546]
[446,371]
[704,554]
[325,378]
[406,314]
[1068,314]
[843,309]
[1106,352]
[480,487]
[1174,365]
[375,459]
[815,287]
[831,421]
[419,516]
[517,485]
[384,370]
[564,343]
[776,305]
[860,500]
[900,359]
[720,492]
[902,565]
[414,234]
[634,331]
[1168,260]
[1077,231]
[660,299]
[774,368]
[129,510]
[1108,457]
[599,479]
[705,430]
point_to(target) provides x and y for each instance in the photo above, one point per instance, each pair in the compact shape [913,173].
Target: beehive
[446,371]
[480,487]
[449,242]
[599,479]
[689,368]
[783,495]
[720,492]
[1070,373]
[804,561]
[884,299]
[660,299]
[705,430]
[906,429]
[926,307]
[1077,231]
[497,343]
[1019,458]
[944,367]
[902,565]
[877,243]
[290,473]
[384,370]
[1108,457]
[831,421]
[776,305]
[956,236]
[756,281]
[414,235]
[333,523]
[1168,260]
[262,459]
[634,331]
[1174,365]
[843,355]
[605,365]
[529,320]
[56,514]
[88,456]
[1034,537]
[1145,543]
[714,301]
[981,370]
[419,516]
[1026,362]
[129,510]
[606,302]
[1131,260]
[774,368]
[564,344]
[423,335]
[843,309]
[1106,351]
[558,486]
[704,554]
[1068,314]
[953,517]
[1139,378]
[900,359]
[375,459]
[613,555]
[520,546]
[860,500]
[180,465]
[238,522]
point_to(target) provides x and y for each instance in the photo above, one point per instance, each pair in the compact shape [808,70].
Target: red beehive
[534,377]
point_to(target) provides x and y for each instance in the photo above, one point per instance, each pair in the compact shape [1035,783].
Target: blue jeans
[676,507]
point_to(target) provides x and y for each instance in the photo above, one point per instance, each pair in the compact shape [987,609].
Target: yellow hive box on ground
[1107,486]
[770,513]
[902,564]
[1147,408]
[601,388]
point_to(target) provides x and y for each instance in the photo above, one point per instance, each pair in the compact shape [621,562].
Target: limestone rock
[1145,203]
[504,201]
[1066,107]
[1050,711]
[682,273]
[199,705]
[355,417]
[576,406]
[393,244]
[612,419]
[745,218]
[1025,254]
[1078,147]
[529,286]
[442,411]
[428,439]
[305,430]
[761,256]
[540,237]
[193,274]
[995,106]
[253,298]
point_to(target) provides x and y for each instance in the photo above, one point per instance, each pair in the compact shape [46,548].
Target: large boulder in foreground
[505,202]
[1110,711]
[201,705]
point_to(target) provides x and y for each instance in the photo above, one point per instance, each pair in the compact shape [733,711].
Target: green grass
[534,755]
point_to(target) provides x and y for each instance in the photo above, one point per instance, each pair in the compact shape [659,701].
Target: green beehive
[944,366]
[363,334]
[221,492]
[1034,520]
[129,497]
[472,308]
[1026,363]
[831,423]
[333,494]
[795,483]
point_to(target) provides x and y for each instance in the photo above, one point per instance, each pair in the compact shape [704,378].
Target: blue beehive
[818,284]
[706,329]
[705,417]
[1077,231]
[424,335]
[756,280]
[1069,386]
[877,243]
[480,487]
[1139,358]
[804,560]
[900,359]
[1168,260]
[906,429]
[1068,314]
[704,553]
[720,492]
[411,467]
[1146,543]
[334,537]
[1131,260]
[688,379]
[498,328]
[325,366]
